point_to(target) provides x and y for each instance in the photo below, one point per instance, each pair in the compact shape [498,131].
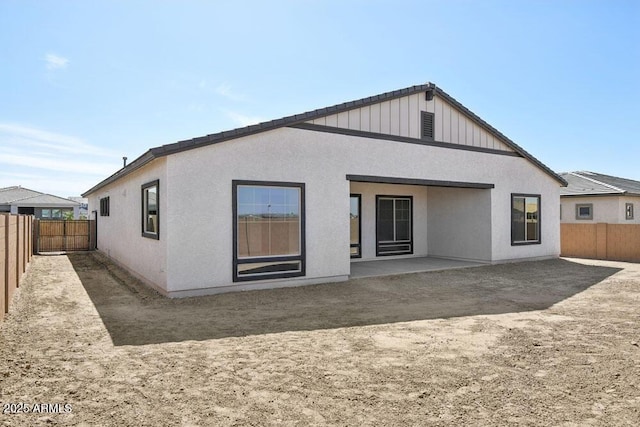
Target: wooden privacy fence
[16,251]
[63,236]
[615,242]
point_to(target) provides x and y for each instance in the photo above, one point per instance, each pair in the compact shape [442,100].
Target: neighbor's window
[104,206]
[151,210]
[268,230]
[46,213]
[628,208]
[525,219]
[584,211]
[56,213]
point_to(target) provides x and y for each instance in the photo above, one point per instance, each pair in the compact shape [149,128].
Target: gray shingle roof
[215,138]
[20,196]
[586,183]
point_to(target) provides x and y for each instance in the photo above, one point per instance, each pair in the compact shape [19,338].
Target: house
[297,200]
[597,198]
[83,209]
[20,200]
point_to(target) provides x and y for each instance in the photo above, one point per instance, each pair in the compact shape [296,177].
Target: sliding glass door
[394,235]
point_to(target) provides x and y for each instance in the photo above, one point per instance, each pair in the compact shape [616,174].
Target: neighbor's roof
[20,196]
[585,183]
[215,138]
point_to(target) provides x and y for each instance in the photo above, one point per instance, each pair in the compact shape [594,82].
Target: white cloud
[62,186]
[59,165]
[243,120]
[55,62]
[225,90]
[21,136]
[50,162]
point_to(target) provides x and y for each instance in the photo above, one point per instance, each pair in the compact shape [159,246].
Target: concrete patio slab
[388,267]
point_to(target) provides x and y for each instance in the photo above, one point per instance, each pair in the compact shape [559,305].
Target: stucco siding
[401,117]
[460,223]
[608,209]
[120,233]
[199,226]
[519,176]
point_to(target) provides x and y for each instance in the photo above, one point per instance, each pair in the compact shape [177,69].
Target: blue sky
[84,83]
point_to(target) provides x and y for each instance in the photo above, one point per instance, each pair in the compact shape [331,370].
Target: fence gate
[62,236]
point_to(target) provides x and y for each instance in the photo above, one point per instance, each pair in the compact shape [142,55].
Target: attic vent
[427,125]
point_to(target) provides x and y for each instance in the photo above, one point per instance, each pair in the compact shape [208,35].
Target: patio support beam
[416,181]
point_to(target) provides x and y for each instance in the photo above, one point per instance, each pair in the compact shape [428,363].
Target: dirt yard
[539,343]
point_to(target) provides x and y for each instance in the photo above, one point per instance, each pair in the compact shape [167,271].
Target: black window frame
[359,244]
[411,241]
[302,257]
[104,206]
[526,242]
[628,211]
[144,187]
[584,217]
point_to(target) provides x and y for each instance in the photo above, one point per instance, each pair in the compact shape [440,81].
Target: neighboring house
[20,200]
[83,209]
[294,201]
[593,197]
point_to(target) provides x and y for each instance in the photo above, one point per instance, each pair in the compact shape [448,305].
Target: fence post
[601,240]
[36,236]
[18,269]
[4,304]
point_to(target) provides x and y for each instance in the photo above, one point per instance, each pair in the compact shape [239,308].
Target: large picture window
[151,210]
[268,230]
[525,219]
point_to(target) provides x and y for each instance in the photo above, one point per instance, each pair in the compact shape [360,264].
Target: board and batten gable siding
[402,116]
[120,233]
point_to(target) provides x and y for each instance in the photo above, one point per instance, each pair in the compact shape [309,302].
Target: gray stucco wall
[460,223]
[200,250]
[120,233]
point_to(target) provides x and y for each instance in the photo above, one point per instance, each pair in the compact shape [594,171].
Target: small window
[584,211]
[628,209]
[268,230]
[56,213]
[104,206]
[46,213]
[427,125]
[355,225]
[525,219]
[151,210]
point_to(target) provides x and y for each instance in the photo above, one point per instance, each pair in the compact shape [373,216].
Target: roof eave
[134,165]
[495,132]
[210,139]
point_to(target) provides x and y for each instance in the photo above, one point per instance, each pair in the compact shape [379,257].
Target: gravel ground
[538,343]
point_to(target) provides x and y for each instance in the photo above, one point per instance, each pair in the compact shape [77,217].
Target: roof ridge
[597,182]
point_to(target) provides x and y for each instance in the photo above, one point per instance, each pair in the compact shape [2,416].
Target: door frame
[385,196]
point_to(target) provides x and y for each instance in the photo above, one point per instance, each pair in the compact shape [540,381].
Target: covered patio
[388,267]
